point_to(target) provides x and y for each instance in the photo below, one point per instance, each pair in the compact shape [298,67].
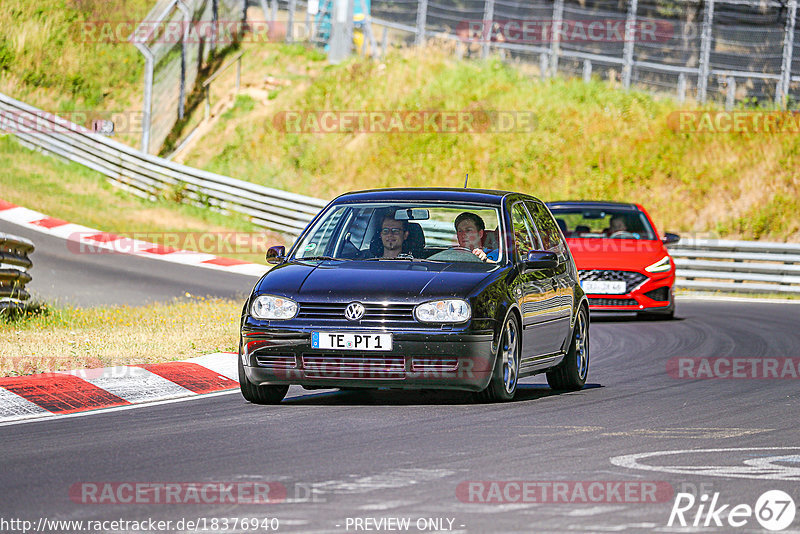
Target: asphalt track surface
[64,276]
[394,454]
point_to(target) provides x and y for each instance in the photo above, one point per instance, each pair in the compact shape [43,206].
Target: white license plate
[350,341]
[602,287]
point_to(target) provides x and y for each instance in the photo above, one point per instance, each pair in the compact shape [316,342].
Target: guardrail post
[422,20]
[214,27]
[290,21]
[682,87]
[384,41]
[782,92]
[341,43]
[187,24]
[147,106]
[705,51]
[544,65]
[488,23]
[587,70]
[555,38]
[630,38]
[730,94]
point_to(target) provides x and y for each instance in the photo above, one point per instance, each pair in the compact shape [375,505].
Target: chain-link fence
[179,39]
[724,50]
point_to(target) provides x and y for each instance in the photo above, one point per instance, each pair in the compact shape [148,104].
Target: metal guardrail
[14,265]
[737,266]
[714,265]
[149,176]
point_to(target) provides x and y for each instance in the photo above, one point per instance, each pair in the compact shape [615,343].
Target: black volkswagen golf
[418,288]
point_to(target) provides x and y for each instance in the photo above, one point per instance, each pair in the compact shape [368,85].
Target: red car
[623,264]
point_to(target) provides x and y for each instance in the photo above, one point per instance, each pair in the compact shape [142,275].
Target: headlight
[271,307]
[443,311]
[660,266]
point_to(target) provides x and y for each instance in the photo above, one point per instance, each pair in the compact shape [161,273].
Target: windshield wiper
[318,258]
[406,257]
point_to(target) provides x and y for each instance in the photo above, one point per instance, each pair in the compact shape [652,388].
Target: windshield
[404,231]
[605,223]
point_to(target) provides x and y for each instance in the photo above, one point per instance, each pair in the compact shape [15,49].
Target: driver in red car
[616,226]
[471,232]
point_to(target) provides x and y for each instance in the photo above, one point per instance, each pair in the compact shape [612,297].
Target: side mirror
[668,238]
[276,254]
[540,260]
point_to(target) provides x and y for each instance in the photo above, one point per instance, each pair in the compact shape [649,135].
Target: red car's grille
[632,279]
[613,302]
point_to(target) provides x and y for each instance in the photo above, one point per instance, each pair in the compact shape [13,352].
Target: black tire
[571,373]
[259,394]
[505,375]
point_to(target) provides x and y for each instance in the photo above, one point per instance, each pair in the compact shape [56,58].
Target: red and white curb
[93,239]
[69,392]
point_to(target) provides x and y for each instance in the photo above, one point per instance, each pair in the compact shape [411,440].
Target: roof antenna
[466,181]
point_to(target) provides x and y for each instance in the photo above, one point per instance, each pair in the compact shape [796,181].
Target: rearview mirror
[540,260]
[276,254]
[411,214]
[668,238]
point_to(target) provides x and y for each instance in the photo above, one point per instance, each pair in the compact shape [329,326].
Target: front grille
[632,279]
[353,366]
[277,361]
[613,302]
[374,314]
[662,293]
[438,364]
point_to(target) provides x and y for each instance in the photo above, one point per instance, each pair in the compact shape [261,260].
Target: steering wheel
[459,248]
[621,234]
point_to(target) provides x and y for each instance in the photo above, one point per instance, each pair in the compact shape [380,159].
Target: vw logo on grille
[354,311]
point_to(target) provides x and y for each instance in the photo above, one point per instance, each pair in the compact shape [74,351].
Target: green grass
[592,141]
[46,55]
[54,338]
[77,194]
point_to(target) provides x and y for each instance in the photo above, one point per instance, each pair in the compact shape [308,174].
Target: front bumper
[655,294]
[418,360]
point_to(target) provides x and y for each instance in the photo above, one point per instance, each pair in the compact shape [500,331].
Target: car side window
[524,241]
[548,229]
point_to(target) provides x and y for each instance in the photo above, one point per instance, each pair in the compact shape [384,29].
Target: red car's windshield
[603,223]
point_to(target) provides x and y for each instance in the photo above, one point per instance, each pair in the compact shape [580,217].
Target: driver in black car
[470,230]
[393,235]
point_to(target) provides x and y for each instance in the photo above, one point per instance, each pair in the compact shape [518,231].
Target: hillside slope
[589,141]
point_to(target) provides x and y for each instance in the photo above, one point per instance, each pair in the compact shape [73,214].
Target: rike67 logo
[774,510]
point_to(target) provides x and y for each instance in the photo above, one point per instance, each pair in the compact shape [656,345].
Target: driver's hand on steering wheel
[480,253]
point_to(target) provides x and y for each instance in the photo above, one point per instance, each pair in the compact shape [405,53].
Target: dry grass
[80,338]
[592,141]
